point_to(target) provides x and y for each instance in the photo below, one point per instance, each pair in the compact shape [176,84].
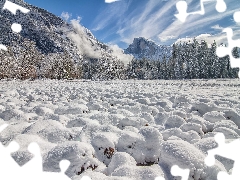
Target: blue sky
[119,22]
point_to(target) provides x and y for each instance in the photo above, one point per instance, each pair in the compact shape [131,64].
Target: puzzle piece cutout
[224,51]
[159,178]
[236,17]
[2,127]
[230,151]
[177,171]
[7,162]
[13,8]
[33,169]
[183,14]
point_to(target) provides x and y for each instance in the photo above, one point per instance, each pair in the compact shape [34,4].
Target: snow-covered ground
[122,129]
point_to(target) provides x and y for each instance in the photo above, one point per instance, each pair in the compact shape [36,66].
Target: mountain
[38,26]
[145,48]
[50,40]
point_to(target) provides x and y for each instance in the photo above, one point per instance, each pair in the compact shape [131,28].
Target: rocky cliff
[144,48]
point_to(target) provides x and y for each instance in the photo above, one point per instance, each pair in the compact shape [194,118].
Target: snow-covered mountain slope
[148,49]
[51,34]
[38,26]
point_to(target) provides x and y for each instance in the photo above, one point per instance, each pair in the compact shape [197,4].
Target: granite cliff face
[144,48]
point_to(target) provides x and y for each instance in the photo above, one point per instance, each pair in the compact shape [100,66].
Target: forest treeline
[189,60]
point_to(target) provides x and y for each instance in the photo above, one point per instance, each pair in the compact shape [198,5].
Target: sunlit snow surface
[122,129]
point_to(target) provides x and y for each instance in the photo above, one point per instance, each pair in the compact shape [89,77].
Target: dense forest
[192,60]
[189,60]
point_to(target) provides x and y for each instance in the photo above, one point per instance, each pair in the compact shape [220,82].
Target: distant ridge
[142,48]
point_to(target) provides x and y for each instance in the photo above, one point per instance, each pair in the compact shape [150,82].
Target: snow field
[122,129]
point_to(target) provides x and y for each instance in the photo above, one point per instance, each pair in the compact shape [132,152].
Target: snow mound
[174,121]
[225,123]
[143,146]
[213,116]
[209,143]
[13,130]
[161,118]
[124,165]
[81,155]
[71,110]
[187,156]
[99,176]
[120,159]
[132,121]
[41,111]
[203,108]
[10,114]
[50,130]
[192,126]
[232,115]
[206,125]
[104,145]
[189,136]
[228,133]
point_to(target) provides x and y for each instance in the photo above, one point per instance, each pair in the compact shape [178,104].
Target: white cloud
[81,39]
[118,52]
[166,38]
[86,47]
[219,36]
[217,27]
[108,15]
[66,16]
[198,22]
[110,1]
[154,19]
[146,21]
[209,38]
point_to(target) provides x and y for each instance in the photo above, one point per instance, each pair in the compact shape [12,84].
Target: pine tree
[165,68]
[235,71]
[176,59]
[8,64]
[29,59]
[212,58]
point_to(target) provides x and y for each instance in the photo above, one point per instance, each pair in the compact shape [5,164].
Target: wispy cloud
[208,38]
[66,16]
[118,52]
[197,22]
[167,38]
[110,1]
[148,19]
[154,19]
[87,47]
[150,23]
[217,27]
[111,13]
[80,38]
